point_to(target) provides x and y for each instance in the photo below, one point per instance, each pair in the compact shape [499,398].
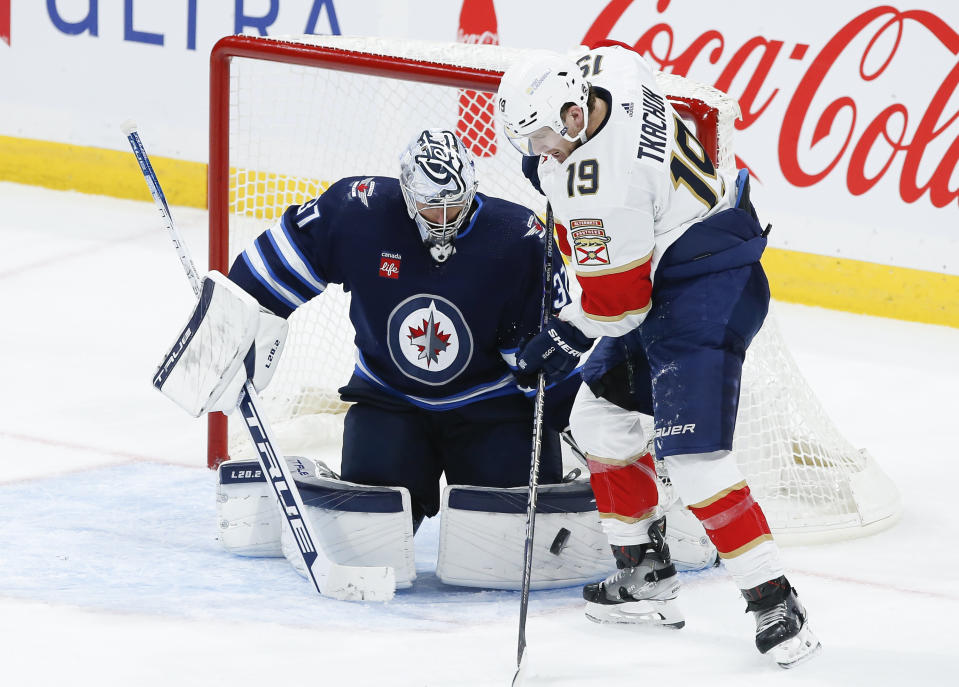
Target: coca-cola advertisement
[850,112]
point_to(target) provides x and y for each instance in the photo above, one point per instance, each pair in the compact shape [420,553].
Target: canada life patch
[589,242]
[390,265]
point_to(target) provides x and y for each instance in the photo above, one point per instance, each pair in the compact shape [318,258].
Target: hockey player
[446,283]
[666,249]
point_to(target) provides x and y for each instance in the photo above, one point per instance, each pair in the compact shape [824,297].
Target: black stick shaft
[537,441]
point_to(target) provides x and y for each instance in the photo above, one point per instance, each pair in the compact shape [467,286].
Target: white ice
[110,573]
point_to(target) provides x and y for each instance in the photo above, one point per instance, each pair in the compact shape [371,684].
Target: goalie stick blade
[355,583]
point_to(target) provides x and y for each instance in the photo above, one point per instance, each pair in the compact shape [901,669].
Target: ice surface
[110,573]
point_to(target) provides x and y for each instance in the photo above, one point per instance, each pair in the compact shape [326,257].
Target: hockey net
[288,116]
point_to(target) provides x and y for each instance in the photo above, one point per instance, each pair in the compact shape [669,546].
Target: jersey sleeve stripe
[310,286]
[618,269]
[294,259]
[257,264]
[280,270]
[610,297]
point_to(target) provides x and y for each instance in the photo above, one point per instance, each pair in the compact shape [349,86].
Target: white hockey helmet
[532,93]
[437,175]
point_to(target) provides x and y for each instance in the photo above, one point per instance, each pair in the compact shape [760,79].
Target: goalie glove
[556,350]
[228,339]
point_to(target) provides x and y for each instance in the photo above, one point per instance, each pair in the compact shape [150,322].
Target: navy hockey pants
[487,443]
[683,364]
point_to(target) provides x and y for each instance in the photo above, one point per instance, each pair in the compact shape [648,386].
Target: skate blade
[652,613]
[796,650]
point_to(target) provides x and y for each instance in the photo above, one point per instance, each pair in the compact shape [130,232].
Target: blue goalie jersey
[437,335]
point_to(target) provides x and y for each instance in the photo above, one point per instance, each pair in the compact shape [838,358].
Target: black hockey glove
[556,350]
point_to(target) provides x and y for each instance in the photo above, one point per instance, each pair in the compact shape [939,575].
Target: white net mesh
[295,129]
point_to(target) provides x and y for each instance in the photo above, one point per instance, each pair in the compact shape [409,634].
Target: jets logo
[429,340]
[363,190]
[440,161]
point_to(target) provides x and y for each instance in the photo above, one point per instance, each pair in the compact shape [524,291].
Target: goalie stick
[536,451]
[348,583]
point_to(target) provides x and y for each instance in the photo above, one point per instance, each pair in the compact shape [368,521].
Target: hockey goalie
[444,295]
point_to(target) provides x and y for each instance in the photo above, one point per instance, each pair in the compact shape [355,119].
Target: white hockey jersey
[628,193]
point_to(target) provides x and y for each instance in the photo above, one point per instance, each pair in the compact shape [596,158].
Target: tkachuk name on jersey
[362,190]
[589,241]
[652,140]
[674,429]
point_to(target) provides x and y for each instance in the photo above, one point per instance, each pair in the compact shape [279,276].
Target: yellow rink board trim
[830,282]
[98,170]
[863,287]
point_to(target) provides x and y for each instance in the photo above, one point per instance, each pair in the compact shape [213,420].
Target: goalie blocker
[481,532]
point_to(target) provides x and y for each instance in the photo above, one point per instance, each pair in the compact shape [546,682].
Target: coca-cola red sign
[917,137]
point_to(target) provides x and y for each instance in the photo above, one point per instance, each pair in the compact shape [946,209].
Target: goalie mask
[438,180]
[531,96]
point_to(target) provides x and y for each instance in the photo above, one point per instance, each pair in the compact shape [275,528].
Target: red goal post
[290,115]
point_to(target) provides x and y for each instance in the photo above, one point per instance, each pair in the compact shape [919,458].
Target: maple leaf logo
[429,340]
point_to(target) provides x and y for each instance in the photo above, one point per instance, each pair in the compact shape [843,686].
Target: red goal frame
[409,69]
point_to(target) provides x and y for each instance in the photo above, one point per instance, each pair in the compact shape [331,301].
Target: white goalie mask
[438,178]
[532,94]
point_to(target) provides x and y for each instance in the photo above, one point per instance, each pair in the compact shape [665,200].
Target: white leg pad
[689,545]
[246,512]
[356,525]
[483,537]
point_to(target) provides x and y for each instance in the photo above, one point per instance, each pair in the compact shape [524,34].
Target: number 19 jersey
[629,192]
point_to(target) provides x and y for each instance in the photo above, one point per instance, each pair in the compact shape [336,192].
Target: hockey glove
[556,350]
[228,339]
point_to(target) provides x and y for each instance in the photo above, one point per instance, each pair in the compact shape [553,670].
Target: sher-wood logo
[921,135]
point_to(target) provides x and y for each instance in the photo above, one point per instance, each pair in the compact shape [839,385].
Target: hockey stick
[536,450]
[348,583]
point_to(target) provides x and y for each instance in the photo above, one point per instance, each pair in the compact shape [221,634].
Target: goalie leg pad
[356,525]
[483,537]
[246,511]
[228,339]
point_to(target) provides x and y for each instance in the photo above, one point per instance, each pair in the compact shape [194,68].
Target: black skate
[643,589]
[782,629]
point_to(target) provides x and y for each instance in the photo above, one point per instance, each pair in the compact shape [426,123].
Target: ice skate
[643,589]
[782,628]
